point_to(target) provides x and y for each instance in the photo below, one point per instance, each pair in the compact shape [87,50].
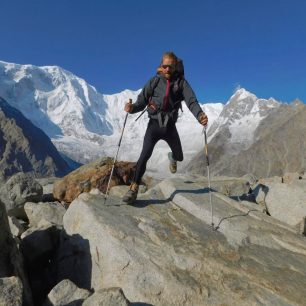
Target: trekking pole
[141,114]
[106,194]
[208,176]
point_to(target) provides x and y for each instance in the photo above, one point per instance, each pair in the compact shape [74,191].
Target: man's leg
[173,140]
[150,140]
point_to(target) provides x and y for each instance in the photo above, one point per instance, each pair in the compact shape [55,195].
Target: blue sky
[256,44]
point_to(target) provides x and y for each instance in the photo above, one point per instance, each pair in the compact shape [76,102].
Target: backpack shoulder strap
[180,84]
[154,84]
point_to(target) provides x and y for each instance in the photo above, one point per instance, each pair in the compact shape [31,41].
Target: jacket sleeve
[191,100]
[143,98]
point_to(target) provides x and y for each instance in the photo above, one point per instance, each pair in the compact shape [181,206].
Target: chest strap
[163,117]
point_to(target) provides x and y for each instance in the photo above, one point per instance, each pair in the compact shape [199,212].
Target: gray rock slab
[107,297]
[229,186]
[18,190]
[184,190]
[195,199]
[287,202]
[11,263]
[52,212]
[67,293]
[162,254]
[11,291]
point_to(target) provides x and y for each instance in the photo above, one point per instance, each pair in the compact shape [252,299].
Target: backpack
[180,68]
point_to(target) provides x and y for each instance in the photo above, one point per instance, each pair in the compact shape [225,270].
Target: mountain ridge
[26,148]
[277,148]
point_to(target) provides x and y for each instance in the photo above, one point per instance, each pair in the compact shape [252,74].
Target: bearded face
[168,67]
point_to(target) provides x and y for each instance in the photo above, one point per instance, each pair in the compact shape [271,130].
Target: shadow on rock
[145,202]
[39,249]
[74,260]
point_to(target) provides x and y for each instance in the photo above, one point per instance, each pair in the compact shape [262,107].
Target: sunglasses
[168,66]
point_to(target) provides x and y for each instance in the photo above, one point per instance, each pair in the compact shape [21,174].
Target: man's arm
[143,98]
[192,103]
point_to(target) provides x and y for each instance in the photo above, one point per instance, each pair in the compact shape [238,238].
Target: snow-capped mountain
[54,99]
[85,124]
[241,116]
[235,130]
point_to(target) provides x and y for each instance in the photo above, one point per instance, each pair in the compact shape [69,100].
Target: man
[163,95]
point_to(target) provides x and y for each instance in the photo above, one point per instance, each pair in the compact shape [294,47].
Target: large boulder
[285,201]
[19,189]
[11,266]
[52,212]
[161,254]
[67,293]
[39,244]
[93,175]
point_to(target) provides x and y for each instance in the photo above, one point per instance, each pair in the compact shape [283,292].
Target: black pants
[154,133]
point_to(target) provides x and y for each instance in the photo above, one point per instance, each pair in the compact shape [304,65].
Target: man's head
[167,65]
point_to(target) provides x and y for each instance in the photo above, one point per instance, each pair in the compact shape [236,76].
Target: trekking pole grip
[130,102]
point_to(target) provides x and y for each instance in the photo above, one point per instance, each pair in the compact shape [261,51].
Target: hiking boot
[131,195]
[173,163]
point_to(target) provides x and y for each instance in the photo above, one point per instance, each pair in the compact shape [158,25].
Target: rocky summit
[164,250]
[242,242]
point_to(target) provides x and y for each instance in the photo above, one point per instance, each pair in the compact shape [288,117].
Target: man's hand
[128,107]
[203,119]
[152,105]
